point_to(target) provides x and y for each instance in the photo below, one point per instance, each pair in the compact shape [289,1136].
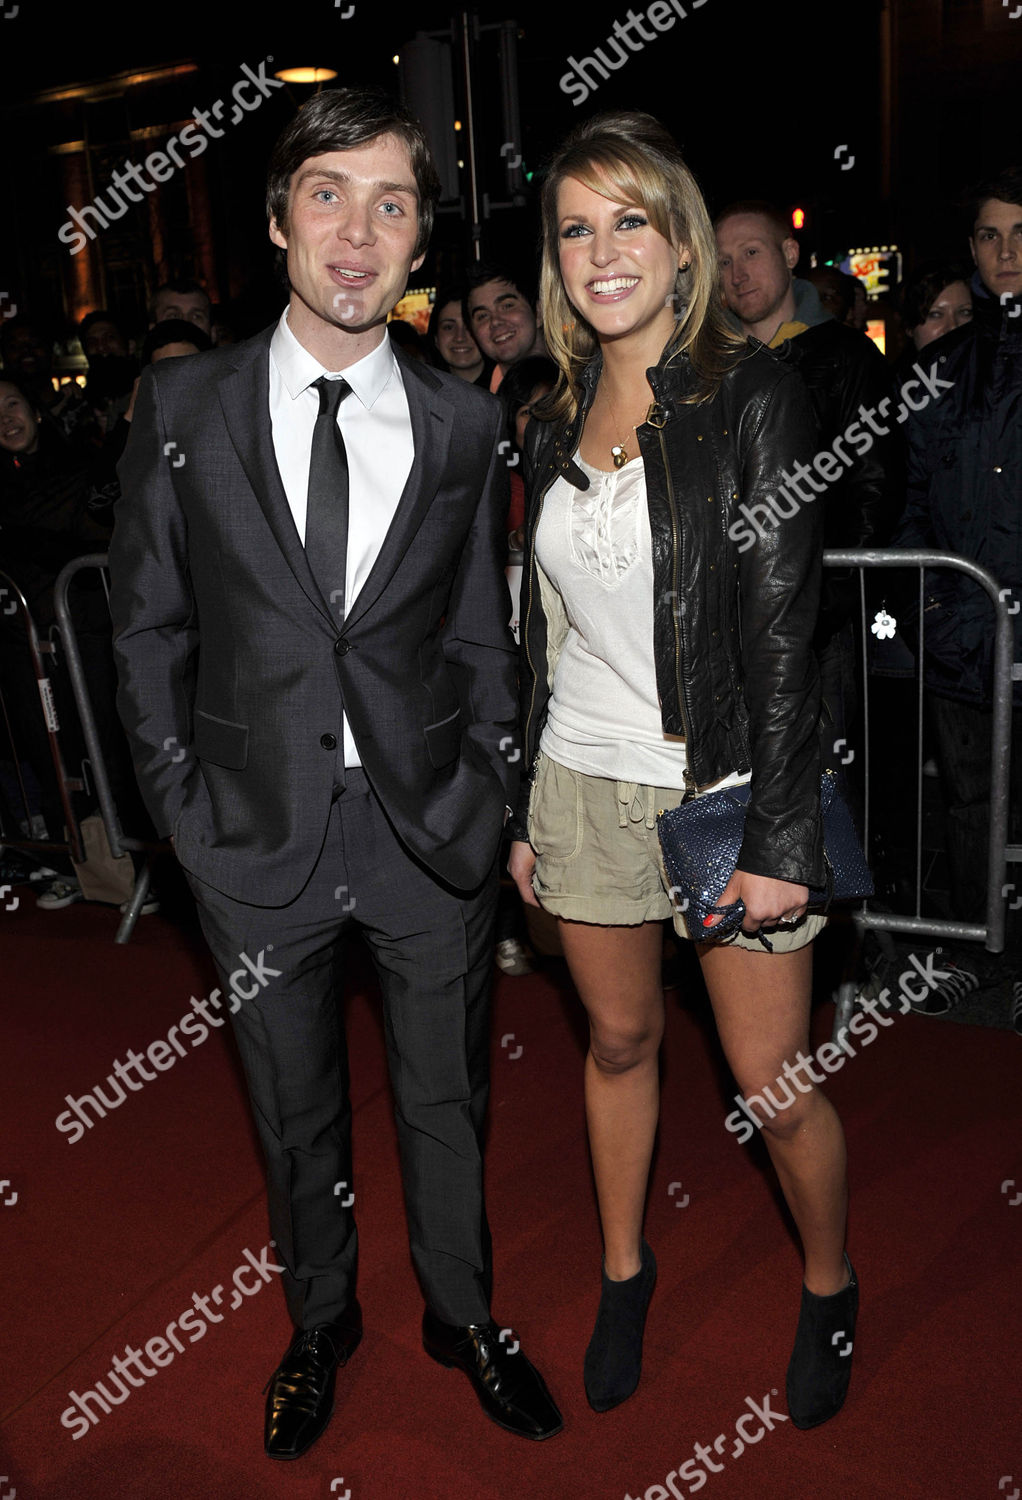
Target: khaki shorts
[598,855]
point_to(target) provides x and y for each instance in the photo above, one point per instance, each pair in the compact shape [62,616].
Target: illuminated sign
[415,308]
[879,267]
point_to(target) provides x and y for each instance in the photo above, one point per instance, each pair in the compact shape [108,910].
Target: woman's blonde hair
[629,157]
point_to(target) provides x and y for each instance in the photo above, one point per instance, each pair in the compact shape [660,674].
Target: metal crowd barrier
[1000,853]
[119,842]
[991,932]
[43,656]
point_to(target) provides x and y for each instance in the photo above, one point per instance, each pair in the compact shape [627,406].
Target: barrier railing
[42,657]
[120,843]
[990,932]
[999,853]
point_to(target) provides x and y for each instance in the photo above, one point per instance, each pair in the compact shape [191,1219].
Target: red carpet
[112,1236]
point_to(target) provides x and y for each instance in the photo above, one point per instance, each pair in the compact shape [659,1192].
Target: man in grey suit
[317,676]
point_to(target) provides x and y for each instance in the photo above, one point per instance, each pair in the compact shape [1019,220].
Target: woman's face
[455,345]
[525,412]
[949,309]
[619,273]
[19,423]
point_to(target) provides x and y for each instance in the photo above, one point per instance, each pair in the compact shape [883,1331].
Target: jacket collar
[996,322]
[667,379]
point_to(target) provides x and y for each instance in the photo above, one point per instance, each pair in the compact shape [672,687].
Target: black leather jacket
[733,613]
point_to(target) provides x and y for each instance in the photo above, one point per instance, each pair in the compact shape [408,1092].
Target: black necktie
[326,520]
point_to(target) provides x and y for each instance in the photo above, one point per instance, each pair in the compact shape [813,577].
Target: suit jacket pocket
[443,740]
[220,741]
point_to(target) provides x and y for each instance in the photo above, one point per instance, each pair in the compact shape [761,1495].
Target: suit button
[328,741]
[342,647]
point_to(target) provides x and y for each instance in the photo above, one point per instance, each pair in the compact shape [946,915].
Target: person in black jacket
[52,509]
[965,496]
[666,647]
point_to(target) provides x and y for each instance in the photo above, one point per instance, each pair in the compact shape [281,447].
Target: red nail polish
[707,921]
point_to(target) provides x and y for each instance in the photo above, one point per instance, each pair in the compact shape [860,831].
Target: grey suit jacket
[232,673]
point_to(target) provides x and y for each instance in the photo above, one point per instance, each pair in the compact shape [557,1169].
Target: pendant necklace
[618,452]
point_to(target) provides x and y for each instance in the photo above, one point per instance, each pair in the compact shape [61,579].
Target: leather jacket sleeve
[779,589]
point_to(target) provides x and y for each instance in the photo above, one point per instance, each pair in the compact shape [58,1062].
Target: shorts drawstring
[629,805]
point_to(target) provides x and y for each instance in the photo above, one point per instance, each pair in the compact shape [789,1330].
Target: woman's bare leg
[616,971]
[761,1004]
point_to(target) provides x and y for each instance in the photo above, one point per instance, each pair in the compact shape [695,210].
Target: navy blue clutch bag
[700,841]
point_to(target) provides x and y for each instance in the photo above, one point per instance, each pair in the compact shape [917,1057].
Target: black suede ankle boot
[613,1360]
[821,1361]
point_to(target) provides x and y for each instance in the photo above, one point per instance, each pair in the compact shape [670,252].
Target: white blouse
[604,714]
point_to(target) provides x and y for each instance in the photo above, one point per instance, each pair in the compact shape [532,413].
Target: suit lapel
[245,401]
[432,420]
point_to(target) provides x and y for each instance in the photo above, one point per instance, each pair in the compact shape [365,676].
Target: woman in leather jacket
[667,620]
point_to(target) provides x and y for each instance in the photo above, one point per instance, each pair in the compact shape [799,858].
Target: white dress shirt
[377,431]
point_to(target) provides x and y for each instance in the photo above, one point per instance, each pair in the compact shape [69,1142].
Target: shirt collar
[298,368]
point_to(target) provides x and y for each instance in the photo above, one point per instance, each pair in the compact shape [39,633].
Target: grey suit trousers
[433,952]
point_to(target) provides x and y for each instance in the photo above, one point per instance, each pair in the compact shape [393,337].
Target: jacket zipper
[690,782]
[530,567]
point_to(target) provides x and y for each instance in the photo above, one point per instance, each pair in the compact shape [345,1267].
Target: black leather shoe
[511,1390]
[301,1389]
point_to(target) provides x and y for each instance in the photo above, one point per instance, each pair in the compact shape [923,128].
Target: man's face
[504,323]
[755,268]
[19,424]
[996,245]
[26,352]
[350,238]
[102,339]
[191,307]
[831,295]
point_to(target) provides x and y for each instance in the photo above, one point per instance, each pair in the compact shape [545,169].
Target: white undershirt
[604,715]
[377,431]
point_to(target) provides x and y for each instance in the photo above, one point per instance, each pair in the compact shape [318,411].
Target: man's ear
[790,251]
[537,310]
[417,262]
[277,236]
[972,247]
